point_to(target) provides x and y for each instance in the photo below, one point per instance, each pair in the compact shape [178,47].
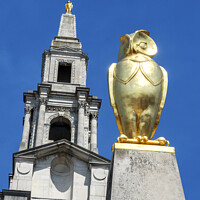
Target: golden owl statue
[137,88]
[69,7]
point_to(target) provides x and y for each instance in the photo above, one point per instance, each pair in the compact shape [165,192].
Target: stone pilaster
[26,129]
[81,115]
[94,131]
[41,118]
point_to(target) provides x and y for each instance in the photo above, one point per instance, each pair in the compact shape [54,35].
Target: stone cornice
[94,101]
[82,90]
[44,88]
[28,95]
[64,146]
[70,38]
[16,193]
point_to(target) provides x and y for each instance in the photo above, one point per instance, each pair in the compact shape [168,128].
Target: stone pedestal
[144,172]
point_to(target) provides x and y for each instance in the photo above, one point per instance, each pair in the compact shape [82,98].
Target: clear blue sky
[27,28]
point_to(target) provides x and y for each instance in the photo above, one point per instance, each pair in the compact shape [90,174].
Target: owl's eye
[143,45]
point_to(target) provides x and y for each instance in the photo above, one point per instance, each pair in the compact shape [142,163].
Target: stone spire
[68,23]
[62,101]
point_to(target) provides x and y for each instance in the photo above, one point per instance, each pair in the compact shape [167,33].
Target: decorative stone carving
[95,114]
[70,118]
[27,109]
[87,112]
[23,169]
[43,100]
[99,174]
[59,108]
[82,104]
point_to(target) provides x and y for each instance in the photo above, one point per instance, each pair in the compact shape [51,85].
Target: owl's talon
[142,139]
[139,138]
[122,138]
[145,139]
[162,141]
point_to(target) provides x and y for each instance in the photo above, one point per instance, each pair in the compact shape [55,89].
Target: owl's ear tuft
[142,43]
[124,38]
[144,31]
[125,47]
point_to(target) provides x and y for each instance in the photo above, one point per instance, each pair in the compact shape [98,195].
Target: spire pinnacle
[69,7]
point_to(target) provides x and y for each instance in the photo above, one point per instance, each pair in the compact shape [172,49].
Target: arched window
[60,129]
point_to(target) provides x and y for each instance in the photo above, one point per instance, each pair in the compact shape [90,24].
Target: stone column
[26,129]
[81,114]
[40,124]
[94,132]
[86,128]
[34,126]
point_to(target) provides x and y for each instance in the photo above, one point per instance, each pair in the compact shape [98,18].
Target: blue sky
[27,28]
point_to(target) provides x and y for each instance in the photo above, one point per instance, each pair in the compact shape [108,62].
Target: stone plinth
[144,172]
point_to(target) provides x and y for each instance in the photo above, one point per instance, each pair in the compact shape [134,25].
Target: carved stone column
[26,129]
[81,113]
[94,132]
[40,124]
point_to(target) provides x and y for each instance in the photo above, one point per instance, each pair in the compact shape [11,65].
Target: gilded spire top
[69,7]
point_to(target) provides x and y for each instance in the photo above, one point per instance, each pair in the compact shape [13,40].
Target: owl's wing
[165,85]
[110,78]
[163,98]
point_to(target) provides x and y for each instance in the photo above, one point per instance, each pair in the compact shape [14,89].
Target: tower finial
[69,7]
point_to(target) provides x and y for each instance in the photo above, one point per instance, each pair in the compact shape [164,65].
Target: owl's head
[138,42]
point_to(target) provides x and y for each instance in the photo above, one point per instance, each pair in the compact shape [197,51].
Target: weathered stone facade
[65,166]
